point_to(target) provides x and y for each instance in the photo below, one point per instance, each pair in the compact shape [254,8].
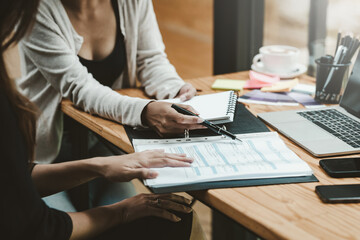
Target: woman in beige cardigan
[81,50]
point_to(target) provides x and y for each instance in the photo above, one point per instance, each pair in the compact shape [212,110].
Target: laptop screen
[351,98]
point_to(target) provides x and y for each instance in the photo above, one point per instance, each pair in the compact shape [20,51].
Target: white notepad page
[216,107]
[259,155]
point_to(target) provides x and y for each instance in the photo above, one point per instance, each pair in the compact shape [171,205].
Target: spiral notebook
[217,108]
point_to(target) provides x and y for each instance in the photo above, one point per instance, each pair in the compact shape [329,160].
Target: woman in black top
[23,215]
[105,70]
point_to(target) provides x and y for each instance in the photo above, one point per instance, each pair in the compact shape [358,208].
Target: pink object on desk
[259,80]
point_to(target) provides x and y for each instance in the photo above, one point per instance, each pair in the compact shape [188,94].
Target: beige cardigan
[51,71]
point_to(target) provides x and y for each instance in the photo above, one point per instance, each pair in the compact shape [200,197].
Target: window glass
[287,21]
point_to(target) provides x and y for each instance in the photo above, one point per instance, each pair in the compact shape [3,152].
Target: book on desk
[250,127]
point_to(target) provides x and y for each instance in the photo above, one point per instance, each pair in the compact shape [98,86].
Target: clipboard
[244,122]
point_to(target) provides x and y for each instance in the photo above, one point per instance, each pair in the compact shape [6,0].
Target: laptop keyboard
[336,123]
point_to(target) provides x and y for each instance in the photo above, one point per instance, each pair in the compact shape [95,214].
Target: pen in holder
[333,71]
[331,79]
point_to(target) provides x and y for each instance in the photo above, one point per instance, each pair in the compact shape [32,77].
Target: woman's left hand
[137,165]
[186,92]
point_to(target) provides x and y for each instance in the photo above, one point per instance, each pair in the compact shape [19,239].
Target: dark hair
[16,18]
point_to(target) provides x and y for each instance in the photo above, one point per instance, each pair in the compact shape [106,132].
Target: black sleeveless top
[107,70]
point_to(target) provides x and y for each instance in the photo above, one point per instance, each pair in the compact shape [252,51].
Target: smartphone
[341,167]
[339,193]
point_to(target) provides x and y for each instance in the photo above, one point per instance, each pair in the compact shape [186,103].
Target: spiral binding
[232,104]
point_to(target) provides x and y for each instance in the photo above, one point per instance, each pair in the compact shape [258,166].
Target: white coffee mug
[277,59]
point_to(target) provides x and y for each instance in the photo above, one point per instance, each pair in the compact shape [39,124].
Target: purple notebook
[268,98]
[281,98]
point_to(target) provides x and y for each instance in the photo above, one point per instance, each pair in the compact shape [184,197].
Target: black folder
[244,122]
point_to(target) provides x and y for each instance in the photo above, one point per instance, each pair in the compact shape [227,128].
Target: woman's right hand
[94,221]
[124,168]
[146,205]
[167,121]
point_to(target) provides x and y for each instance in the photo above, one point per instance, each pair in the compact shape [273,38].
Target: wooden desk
[289,211]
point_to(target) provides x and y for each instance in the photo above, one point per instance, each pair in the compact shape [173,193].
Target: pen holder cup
[331,80]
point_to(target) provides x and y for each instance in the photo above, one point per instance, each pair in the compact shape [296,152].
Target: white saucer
[300,69]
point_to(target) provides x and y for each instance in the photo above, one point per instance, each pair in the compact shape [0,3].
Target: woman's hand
[165,120]
[145,205]
[96,220]
[186,92]
[136,165]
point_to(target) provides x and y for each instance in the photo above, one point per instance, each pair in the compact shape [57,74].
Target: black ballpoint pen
[206,123]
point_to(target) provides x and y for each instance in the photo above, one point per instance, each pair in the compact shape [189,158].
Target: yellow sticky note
[282,86]
[228,84]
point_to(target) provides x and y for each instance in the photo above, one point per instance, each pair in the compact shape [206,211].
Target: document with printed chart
[258,156]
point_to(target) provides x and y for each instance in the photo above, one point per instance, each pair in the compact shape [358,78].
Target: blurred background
[188,29]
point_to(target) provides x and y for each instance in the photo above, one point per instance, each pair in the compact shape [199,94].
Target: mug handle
[257,59]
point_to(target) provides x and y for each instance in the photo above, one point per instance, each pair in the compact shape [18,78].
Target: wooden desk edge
[96,124]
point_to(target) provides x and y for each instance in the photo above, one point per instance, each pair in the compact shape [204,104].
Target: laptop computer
[327,131]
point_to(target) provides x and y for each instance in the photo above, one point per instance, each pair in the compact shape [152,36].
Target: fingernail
[200,120]
[177,219]
[188,210]
[182,98]
[153,174]
[188,201]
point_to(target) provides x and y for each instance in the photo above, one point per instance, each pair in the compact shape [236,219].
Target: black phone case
[334,200]
[338,174]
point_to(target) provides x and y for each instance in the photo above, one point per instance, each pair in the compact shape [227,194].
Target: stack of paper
[280,99]
[305,99]
[268,98]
